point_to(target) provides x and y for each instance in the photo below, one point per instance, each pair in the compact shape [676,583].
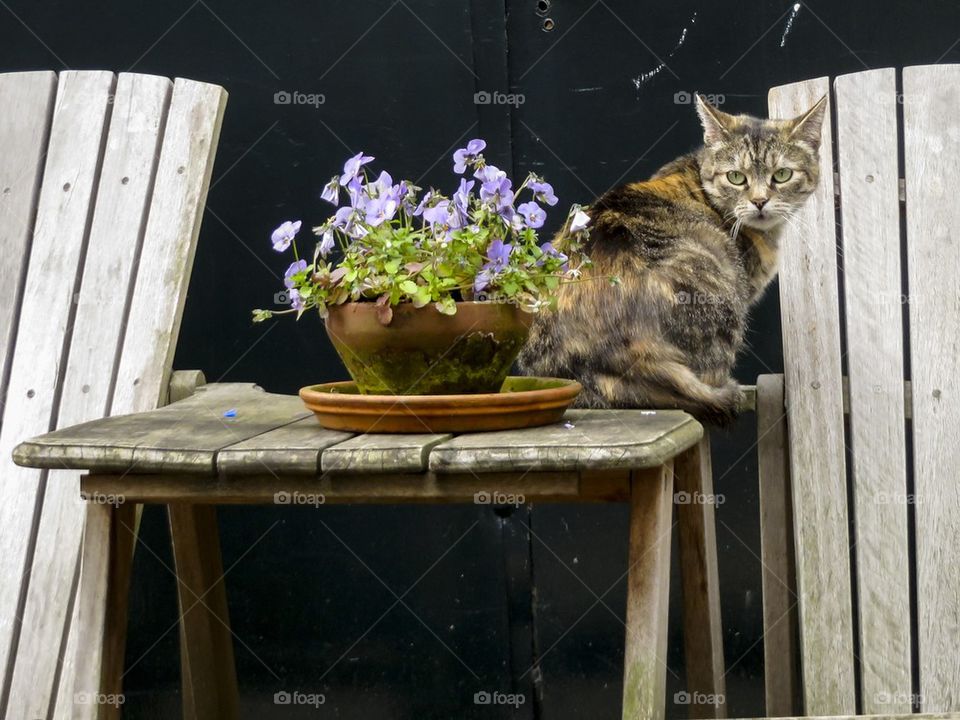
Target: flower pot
[424,352]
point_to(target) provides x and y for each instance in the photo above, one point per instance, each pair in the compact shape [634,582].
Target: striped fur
[692,252]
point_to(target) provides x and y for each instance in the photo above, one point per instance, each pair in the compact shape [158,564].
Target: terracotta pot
[424,352]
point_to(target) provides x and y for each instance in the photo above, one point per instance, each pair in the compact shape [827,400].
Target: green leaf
[447,306]
[409,287]
[392,267]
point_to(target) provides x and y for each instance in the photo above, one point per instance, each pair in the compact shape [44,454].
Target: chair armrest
[184,383]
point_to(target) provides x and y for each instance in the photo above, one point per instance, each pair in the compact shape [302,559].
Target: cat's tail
[657,377]
[717,405]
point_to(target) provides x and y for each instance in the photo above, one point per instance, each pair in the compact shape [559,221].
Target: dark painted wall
[314,593]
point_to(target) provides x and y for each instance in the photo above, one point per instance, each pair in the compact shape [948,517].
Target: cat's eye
[736,177]
[782,175]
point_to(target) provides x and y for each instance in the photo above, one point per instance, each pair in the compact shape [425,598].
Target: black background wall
[483,594]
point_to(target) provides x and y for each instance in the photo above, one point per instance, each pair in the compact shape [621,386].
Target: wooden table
[234,443]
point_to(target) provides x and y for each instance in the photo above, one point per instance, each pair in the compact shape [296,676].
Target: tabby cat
[693,248]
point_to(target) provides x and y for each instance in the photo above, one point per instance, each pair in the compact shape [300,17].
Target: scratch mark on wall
[587,89]
[789,25]
[644,77]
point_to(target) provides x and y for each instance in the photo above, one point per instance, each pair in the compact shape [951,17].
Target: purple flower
[468,155]
[461,198]
[346,219]
[424,204]
[498,252]
[489,173]
[498,193]
[445,215]
[296,302]
[284,235]
[532,214]
[352,166]
[326,242]
[355,191]
[498,255]
[378,210]
[550,251]
[543,191]
[436,214]
[297,267]
[331,191]
[580,221]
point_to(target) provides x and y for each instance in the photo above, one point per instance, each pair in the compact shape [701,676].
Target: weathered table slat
[269,434]
[588,439]
[291,449]
[182,437]
[382,453]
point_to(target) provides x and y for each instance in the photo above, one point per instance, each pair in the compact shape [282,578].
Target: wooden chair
[103,181]
[859,468]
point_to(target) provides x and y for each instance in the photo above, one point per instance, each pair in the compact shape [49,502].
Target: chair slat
[189,144]
[931,97]
[866,106]
[812,368]
[126,179]
[183,177]
[27,100]
[63,212]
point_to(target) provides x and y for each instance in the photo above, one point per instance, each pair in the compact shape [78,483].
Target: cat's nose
[760,202]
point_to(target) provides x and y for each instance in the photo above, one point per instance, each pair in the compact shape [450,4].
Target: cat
[691,250]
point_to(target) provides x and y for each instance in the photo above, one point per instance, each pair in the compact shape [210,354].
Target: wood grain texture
[137,117]
[599,486]
[183,384]
[931,95]
[648,594]
[27,99]
[781,651]
[188,436]
[703,628]
[206,643]
[170,241]
[382,453]
[183,437]
[870,217]
[100,621]
[63,211]
[811,345]
[596,440]
[292,449]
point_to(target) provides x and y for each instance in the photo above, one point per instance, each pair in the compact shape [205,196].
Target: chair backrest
[876,502]
[103,181]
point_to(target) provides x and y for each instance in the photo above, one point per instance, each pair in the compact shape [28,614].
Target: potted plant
[432,293]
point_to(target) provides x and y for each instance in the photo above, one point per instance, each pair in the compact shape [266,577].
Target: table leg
[100,614]
[648,593]
[206,645]
[703,633]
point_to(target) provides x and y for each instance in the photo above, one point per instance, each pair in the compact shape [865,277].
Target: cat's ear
[716,124]
[806,128]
